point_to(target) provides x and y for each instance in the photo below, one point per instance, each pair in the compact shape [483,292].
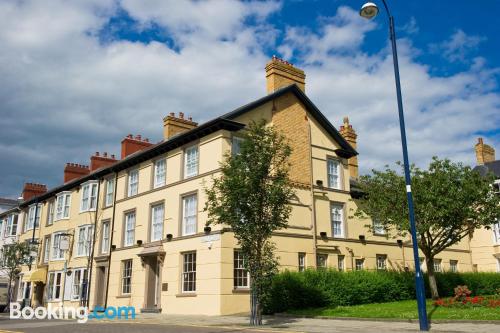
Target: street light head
[369,10]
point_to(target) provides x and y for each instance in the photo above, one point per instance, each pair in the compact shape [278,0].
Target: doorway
[100,286]
[152,301]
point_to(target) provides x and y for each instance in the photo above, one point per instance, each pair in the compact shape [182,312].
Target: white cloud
[458,46]
[411,27]
[65,94]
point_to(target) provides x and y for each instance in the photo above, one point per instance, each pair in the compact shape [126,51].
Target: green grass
[402,310]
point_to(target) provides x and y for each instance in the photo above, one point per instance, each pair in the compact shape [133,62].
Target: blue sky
[79,76]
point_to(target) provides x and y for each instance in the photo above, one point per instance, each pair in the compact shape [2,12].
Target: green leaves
[252,198]
[451,200]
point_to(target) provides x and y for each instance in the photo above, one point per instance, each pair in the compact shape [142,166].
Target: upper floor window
[236,145]
[12,222]
[84,242]
[378,228]
[63,202]
[133,182]
[333,172]
[46,249]
[337,217]
[89,197]
[189,214]
[50,213]
[191,162]
[157,216]
[33,217]
[126,276]
[110,191]
[57,252]
[496,232]
[105,237]
[129,234]
[160,173]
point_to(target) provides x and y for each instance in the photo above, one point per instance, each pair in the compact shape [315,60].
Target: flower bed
[463,298]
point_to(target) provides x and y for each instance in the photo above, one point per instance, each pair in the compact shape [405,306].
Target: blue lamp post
[369,11]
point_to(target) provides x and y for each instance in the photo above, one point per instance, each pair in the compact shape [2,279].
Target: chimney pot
[181,115]
[172,114]
[105,154]
[281,73]
[146,140]
[96,153]
[113,156]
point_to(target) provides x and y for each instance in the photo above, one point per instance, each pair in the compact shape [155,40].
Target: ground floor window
[241,276]
[360,264]
[321,260]
[126,276]
[340,263]
[24,291]
[381,262]
[79,283]
[437,265]
[189,272]
[454,266]
[302,261]
[54,286]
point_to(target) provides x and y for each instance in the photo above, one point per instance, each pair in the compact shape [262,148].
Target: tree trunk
[432,278]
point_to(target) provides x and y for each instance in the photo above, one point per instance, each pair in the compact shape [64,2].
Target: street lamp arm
[387,9]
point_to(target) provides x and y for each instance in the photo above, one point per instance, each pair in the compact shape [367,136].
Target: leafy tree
[451,201]
[252,198]
[14,256]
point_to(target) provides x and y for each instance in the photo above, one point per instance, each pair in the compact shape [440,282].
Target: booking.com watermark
[81,314]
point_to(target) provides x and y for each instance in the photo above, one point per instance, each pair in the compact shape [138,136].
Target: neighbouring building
[485,243]
[135,226]
[7,204]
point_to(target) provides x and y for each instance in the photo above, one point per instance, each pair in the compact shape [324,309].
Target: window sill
[186,295]
[88,211]
[124,296]
[62,259]
[241,290]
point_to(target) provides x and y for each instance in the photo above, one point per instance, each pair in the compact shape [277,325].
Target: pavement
[156,323]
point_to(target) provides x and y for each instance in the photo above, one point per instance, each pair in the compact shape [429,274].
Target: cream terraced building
[136,229]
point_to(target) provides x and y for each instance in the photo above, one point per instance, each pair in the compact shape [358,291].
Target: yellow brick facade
[157,267]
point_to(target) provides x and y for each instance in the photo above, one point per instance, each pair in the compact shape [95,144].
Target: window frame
[184,216]
[302,261]
[236,145]
[325,261]
[65,207]
[126,230]
[453,266]
[340,263]
[186,162]
[360,261]
[437,265]
[126,280]
[105,249]
[154,223]
[496,232]
[47,243]
[12,227]
[51,212]
[378,262]
[91,189]
[109,195]
[54,250]
[83,274]
[191,274]
[33,219]
[378,228]
[341,207]
[130,177]
[52,288]
[87,242]
[240,274]
[163,181]
[329,160]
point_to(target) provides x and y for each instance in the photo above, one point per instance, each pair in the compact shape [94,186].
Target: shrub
[320,288]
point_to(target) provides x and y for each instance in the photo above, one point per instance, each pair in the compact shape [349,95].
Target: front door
[100,286]
[152,300]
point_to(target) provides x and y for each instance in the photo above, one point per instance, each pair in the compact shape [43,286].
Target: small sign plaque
[210,238]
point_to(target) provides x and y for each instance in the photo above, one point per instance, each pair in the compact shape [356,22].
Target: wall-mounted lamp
[323,234]
[400,242]
[113,247]
[139,242]
[362,238]
[319,182]
[169,237]
[207,229]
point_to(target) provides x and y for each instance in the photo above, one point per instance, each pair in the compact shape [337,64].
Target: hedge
[319,288]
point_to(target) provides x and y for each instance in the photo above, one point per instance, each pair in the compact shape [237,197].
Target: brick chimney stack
[98,161]
[281,73]
[133,144]
[484,153]
[173,125]
[31,190]
[350,136]
[74,171]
